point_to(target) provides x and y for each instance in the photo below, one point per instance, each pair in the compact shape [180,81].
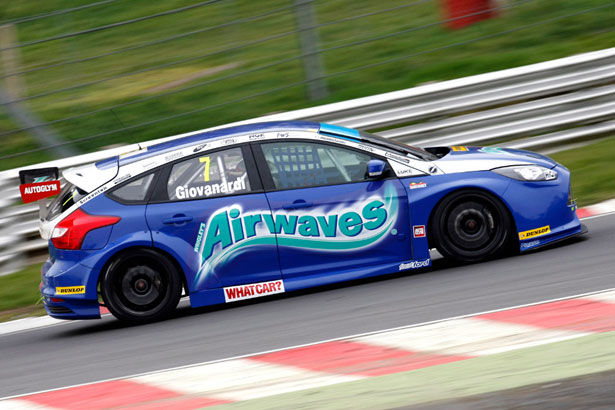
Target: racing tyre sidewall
[471,226]
[141,286]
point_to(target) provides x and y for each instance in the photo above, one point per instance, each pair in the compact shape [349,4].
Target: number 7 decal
[207,161]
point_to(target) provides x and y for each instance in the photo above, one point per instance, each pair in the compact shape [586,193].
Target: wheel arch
[161,252]
[430,234]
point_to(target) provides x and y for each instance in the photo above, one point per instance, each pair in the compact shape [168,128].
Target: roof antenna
[124,126]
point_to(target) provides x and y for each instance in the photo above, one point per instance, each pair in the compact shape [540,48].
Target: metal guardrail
[539,106]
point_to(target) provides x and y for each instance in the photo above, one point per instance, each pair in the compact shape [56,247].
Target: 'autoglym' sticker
[39,190]
[253,290]
[70,290]
[532,233]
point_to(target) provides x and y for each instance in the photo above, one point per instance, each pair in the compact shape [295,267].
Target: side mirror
[375,168]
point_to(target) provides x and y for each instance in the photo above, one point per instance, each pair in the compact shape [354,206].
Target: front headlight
[527,173]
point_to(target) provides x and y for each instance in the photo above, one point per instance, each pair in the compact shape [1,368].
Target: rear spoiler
[39,184]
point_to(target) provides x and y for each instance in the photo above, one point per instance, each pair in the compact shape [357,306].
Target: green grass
[19,294]
[222,99]
[593,171]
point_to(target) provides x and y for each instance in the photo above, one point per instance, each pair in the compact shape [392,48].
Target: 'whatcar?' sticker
[39,190]
[254,290]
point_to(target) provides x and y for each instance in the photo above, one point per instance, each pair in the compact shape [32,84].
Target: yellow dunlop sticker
[457,148]
[70,290]
[534,232]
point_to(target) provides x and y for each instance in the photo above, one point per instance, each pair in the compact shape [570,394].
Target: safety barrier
[545,107]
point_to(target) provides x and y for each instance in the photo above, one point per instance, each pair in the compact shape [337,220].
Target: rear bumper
[68,292]
[71,309]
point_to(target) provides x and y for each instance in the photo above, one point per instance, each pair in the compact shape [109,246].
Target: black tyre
[141,286]
[471,226]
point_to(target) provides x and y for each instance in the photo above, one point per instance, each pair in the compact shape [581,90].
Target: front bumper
[530,246]
[543,211]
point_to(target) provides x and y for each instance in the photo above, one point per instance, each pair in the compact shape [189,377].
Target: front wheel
[470,226]
[141,286]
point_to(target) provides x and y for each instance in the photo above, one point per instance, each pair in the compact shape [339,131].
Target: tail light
[71,231]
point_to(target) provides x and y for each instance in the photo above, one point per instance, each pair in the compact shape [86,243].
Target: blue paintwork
[375,167]
[393,247]
[307,237]
[178,240]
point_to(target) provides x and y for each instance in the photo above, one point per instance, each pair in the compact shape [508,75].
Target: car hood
[467,159]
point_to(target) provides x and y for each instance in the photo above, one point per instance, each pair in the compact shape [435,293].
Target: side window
[306,164]
[212,174]
[134,191]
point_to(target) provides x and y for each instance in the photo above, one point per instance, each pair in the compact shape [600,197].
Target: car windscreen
[69,195]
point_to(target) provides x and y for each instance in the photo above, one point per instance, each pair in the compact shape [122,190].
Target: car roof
[322,128]
[193,139]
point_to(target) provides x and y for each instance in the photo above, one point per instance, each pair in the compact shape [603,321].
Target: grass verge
[584,355]
[593,172]
[19,294]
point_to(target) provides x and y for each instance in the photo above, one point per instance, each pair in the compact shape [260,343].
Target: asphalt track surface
[88,351]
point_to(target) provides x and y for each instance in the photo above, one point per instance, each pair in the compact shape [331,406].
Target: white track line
[469,337]
[28,324]
[597,216]
[581,295]
[33,323]
[241,379]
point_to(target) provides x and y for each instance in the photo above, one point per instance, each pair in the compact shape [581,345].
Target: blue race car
[261,209]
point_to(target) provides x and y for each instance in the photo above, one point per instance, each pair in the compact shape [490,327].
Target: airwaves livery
[263,209]
[338,230]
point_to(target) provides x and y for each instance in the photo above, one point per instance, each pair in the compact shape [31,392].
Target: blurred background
[79,76]
[91,74]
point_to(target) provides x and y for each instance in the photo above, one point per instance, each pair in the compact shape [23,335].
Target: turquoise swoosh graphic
[228,253]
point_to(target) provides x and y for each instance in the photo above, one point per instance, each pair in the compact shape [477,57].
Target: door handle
[177,219]
[299,203]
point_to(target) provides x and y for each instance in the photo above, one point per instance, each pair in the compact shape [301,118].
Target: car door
[328,215]
[203,213]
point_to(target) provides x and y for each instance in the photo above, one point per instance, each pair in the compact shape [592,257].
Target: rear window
[134,191]
[69,195]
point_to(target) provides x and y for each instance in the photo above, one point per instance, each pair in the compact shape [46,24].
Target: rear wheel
[141,286]
[471,225]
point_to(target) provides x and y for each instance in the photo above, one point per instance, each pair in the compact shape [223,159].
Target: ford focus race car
[261,209]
